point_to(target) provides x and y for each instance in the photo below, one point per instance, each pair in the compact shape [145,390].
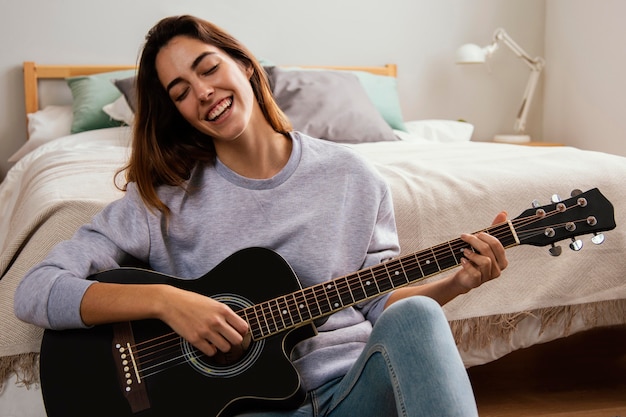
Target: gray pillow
[331,105]
[127,87]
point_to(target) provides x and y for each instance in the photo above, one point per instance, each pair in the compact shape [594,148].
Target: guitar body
[79,374]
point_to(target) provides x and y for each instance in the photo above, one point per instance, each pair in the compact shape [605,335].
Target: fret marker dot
[368,282]
[427,261]
[397,273]
[285,312]
[301,306]
[329,286]
[336,305]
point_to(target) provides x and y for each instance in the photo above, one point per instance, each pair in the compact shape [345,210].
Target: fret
[277,314]
[310,299]
[428,263]
[411,268]
[334,298]
[269,314]
[345,291]
[303,306]
[383,279]
[368,281]
[285,312]
[446,258]
[358,289]
[396,272]
[263,326]
[459,251]
[295,309]
[253,323]
[322,298]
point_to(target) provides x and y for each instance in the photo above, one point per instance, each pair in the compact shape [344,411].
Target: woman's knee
[413,311]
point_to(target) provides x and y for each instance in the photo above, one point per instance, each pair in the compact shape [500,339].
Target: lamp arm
[522,114]
[501,35]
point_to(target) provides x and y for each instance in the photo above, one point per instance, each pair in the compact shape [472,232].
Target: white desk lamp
[474,54]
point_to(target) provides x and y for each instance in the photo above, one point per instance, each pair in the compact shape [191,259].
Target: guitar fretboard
[311,303]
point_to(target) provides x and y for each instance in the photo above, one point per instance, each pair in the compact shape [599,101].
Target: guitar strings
[281,313]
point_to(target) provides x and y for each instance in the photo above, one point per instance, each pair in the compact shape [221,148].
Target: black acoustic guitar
[143,368]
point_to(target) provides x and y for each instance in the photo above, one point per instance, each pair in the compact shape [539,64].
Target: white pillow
[440,130]
[120,110]
[43,126]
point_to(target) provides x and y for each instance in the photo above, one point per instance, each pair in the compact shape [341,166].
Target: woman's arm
[206,323]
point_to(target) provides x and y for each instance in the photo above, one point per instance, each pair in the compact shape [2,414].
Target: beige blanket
[439,191]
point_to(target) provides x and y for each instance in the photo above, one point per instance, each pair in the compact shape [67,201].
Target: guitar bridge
[127,367]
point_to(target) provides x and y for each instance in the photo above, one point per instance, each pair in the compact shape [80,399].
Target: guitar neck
[312,303]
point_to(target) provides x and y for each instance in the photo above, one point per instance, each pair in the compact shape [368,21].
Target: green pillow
[383,91]
[89,95]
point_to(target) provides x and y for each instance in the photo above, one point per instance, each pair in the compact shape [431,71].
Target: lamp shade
[470,54]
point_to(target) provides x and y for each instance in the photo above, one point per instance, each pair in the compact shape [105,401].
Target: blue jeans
[409,367]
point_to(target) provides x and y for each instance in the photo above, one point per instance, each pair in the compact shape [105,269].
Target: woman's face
[211,90]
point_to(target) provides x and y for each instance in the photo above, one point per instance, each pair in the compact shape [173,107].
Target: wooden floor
[583,375]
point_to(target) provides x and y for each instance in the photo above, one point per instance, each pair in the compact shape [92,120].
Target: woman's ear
[249,70]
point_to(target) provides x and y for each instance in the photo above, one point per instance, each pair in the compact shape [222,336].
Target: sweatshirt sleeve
[384,245]
[51,292]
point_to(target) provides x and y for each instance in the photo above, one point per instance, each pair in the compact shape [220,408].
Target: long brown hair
[165,146]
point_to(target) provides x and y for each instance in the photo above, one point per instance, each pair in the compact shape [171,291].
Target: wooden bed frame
[34,72]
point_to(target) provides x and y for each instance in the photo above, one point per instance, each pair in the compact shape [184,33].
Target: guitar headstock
[584,213]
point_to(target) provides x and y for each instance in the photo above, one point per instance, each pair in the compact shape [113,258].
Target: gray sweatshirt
[328,213]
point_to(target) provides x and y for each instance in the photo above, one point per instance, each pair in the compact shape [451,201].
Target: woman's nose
[204,92]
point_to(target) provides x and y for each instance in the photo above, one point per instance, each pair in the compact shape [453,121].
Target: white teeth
[219,109]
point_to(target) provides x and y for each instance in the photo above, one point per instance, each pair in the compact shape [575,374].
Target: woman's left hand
[483,264]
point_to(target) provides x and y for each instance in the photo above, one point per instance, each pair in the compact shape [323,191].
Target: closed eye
[182,95]
[211,70]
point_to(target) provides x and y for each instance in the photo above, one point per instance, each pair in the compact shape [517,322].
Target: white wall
[421,36]
[585,95]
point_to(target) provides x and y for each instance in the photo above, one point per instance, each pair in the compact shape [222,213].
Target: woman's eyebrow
[194,65]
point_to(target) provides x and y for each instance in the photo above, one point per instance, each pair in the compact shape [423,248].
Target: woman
[215,168]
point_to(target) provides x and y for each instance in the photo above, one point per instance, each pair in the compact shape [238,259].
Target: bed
[442,183]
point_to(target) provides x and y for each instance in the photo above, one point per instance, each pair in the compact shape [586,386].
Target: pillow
[331,105]
[44,125]
[89,95]
[440,130]
[120,111]
[382,91]
[127,88]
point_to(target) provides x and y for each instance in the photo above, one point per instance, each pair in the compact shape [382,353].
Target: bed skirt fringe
[24,366]
[480,332]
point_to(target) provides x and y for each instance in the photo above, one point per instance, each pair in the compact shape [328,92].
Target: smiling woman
[216,173]
[434,173]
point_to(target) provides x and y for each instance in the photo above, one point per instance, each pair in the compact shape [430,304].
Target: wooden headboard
[34,72]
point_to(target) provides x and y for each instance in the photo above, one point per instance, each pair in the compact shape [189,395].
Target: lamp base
[511,138]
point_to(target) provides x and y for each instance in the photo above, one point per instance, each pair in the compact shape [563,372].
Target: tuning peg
[555,250]
[536,204]
[575,192]
[555,198]
[576,245]
[598,238]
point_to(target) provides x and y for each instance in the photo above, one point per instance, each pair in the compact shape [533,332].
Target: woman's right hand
[209,325]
